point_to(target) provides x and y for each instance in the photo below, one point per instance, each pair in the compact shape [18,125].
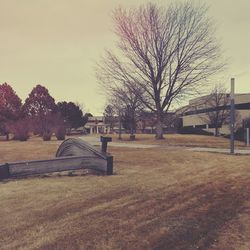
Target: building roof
[95,118]
[240,99]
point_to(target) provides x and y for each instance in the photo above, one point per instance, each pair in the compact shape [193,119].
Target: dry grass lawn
[182,140]
[157,199]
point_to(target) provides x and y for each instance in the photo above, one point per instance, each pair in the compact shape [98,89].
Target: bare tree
[109,116]
[118,108]
[128,104]
[216,107]
[146,119]
[169,53]
[246,123]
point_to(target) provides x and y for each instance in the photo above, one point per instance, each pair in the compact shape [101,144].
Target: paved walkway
[95,141]
[221,150]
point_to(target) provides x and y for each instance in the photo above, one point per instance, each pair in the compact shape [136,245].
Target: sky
[57,43]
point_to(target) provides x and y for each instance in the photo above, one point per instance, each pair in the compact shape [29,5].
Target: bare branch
[166,53]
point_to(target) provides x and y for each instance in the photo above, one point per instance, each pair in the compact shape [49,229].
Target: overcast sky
[56,43]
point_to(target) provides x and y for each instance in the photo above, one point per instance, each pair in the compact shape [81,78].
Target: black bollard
[104,141]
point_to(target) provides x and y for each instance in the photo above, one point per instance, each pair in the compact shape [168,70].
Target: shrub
[132,137]
[192,130]
[47,135]
[45,125]
[239,135]
[60,133]
[20,129]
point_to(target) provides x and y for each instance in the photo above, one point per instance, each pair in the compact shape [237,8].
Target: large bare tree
[168,52]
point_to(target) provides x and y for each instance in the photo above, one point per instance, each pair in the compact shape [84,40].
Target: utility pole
[247,141]
[232,116]
[246,132]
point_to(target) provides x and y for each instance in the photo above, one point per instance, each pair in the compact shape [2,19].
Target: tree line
[39,114]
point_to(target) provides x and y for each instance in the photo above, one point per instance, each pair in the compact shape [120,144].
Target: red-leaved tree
[38,107]
[10,108]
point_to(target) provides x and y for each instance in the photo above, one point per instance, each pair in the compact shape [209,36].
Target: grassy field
[182,140]
[157,199]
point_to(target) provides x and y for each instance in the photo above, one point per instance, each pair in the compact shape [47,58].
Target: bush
[239,135]
[60,133]
[132,137]
[192,130]
[47,136]
[45,125]
[20,129]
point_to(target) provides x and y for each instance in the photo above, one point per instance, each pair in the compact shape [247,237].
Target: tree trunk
[120,128]
[131,131]
[216,131]
[132,136]
[68,131]
[159,126]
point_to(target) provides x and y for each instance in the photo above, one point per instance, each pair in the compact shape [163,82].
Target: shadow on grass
[192,218]
[198,226]
[188,216]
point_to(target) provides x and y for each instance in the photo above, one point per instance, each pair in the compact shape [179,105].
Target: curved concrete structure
[78,147]
[72,154]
